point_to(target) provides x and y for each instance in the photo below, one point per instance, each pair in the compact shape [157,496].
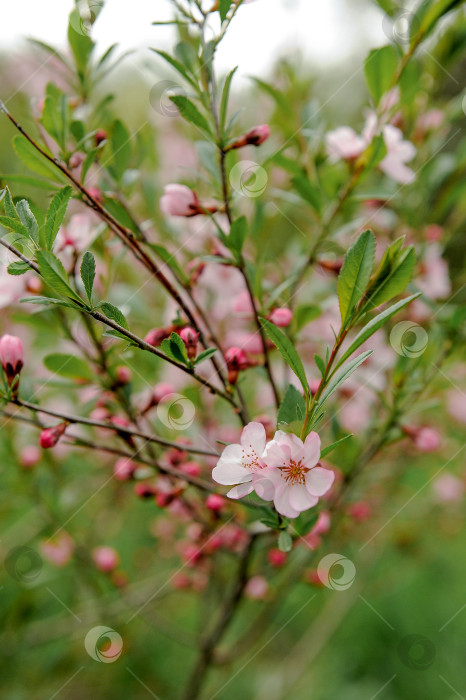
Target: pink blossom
[277,558]
[77,235]
[30,456]
[123,374]
[179,200]
[11,356]
[236,361]
[456,405]
[281,317]
[240,461]
[344,144]
[191,468]
[106,558]
[124,469]
[399,153]
[448,488]
[292,478]
[427,439]
[256,588]
[190,338]
[58,550]
[50,436]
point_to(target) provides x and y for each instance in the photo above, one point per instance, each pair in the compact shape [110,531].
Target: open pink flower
[240,461]
[399,152]
[344,143]
[292,477]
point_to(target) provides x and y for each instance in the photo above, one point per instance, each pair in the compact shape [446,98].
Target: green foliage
[190,112]
[88,273]
[113,313]
[175,348]
[68,366]
[53,272]
[287,351]
[55,215]
[34,160]
[292,407]
[309,192]
[355,274]
[380,68]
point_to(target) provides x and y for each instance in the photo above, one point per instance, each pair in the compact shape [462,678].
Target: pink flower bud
[427,440]
[156,335]
[214,502]
[277,558]
[124,469]
[59,550]
[281,317]
[100,136]
[50,436]
[96,194]
[76,160]
[191,468]
[433,233]
[360,511]
[144,490]
[11,356]
[106,558]
[190,338]
[236,360]
[256,588]
[179,200]
[123,374]
[161,390]
[255,137]
[332,265]
[30,456]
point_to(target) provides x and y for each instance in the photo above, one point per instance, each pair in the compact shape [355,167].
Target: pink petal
[229,469]
[300,499]
[253,436]
[319,480]
[240,491]
[265,483]
[311,449]
[282,503]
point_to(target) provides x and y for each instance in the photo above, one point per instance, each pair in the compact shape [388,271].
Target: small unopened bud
[50,436]
[281,317]
[255,137]
[179,200]
[215,502]
[124,469]
[190,338]
[256,588]
[106,559]
[123,374]
[332,265]
[156,335]
[144,490]
[76,160]
[236,360]
[101,135]
[96,194]
[277,558]
[424,438]
[11,357]
[30,456]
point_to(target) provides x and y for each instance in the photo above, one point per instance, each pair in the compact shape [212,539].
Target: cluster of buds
[180,200]
[254,137]
[11,357]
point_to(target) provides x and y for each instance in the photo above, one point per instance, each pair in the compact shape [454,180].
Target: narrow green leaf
[292,407]
[223,7]
[374,325]
[48,301]
[10,209]
[53,272]
[309,192]
[14,225]
[334,445]
[395,281]
[225,98]
[237,236]
[34,160]
[205,355]
[55,215]
[175,348]
[287,351]
[355,274]
[305,522]
[177,65]
[320,364]
[342,375]
[28,220]
[120,148]
[285,541]
[379,68]
[190,112]
[18,268]
[113,312]
[81,44]
[88,273]
[68,366]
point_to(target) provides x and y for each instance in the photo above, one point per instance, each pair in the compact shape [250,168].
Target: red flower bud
[236,361]
[50,436]
[11,356]
[190,337]
[100,136]
[123,374]
[215,502]
[255,137]
[281,317]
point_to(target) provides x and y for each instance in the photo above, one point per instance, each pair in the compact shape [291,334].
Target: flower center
[250,458]
[294,472]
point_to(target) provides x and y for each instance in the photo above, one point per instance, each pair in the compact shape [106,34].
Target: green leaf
[119,336]
[120,147]
[14,225]
[320,364]
[190,112]
[379,68]
[34,160]
[395,281]
[304,523]
[48,301]
[28,220]
[18,268]
[374,325]
[81,44]
[225,98]
[271,519]
[342,375]
[334,445]
[27,180]
[55,215]
[10,209]
[223,8]
[169,259]
[68,366]
[237,236]
[177,65]
[305,314]
[112,312]
[309,192]
[175,348]
[355,274]
[53,272]
[88,273]
[285,541]
[292,407]
[287,351]
[427,15]
[204,355]
[54,118]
